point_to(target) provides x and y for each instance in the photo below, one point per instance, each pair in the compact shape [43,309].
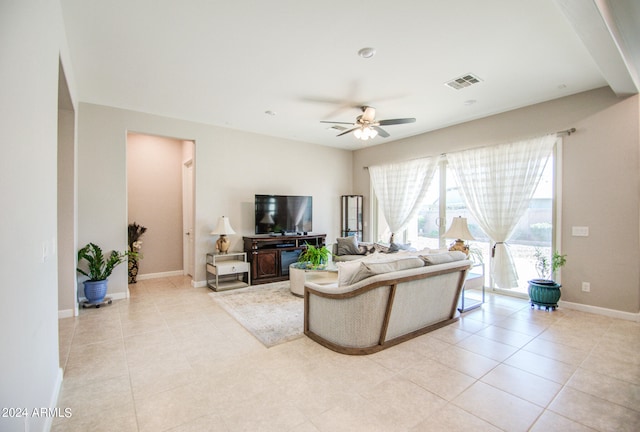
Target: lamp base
[222,245]
[459,245]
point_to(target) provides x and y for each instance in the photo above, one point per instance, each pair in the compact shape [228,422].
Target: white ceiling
[227,62]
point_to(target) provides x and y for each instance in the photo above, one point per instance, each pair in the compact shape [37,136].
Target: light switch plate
[580,231]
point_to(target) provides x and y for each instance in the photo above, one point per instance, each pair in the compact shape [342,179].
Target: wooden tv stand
[271,255]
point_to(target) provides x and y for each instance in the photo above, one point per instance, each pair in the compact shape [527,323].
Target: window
[444,202]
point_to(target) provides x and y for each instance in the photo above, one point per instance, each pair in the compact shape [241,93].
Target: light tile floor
[170,359]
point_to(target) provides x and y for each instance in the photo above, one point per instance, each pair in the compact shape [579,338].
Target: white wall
[600,187]
[31,43]
[230,168]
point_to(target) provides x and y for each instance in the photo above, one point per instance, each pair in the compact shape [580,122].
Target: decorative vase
[95,291]
[133,270]
[544,293]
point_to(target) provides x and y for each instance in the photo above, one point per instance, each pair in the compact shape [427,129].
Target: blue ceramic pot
[95,291]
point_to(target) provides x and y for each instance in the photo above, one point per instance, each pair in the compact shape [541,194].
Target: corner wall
[31,44]
[600,188]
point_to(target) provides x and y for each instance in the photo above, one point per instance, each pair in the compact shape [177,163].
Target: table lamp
[460,231]
[223,229]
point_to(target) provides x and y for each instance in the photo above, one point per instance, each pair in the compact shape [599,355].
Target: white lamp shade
[459,229]
[224,227]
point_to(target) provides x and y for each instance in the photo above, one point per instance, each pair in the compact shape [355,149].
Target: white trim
[556,244]
[612,313]
[160,275]
[66,313]
[54,400]
[198,284]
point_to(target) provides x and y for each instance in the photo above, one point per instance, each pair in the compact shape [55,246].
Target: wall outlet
[586,287]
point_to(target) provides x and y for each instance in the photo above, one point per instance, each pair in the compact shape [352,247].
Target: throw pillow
[441,258]
[381,248]
[348,246]
[346,271]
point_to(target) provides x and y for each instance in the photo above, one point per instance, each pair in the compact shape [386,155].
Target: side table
[227,271]
[474,281]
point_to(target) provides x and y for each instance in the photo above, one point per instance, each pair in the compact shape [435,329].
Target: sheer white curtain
[497,184]
[401,188]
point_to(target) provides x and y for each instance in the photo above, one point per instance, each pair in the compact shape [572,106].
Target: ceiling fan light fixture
[367,52]
[365,133]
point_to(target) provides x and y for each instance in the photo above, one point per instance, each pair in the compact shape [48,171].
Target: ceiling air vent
[463,81]
[338,128]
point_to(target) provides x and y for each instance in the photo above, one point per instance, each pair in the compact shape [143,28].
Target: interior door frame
[188,199]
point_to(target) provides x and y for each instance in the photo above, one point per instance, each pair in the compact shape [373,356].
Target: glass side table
[475,282]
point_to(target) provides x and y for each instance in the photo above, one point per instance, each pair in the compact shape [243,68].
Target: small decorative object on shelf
[223,229]
[460,231]
[545,292]
[135,231]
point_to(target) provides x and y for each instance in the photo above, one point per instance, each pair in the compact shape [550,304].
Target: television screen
[283,214]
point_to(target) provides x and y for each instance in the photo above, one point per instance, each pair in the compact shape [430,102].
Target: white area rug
[270,312]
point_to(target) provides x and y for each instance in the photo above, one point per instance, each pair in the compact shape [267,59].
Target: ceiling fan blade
[334,122]
[347,131]
[381,132]
[396,121]
[368,114]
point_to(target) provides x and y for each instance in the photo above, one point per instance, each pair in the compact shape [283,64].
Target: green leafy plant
[314,256]
[99,266]
[545,267]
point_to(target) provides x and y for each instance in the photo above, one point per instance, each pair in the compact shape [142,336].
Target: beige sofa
[387,308]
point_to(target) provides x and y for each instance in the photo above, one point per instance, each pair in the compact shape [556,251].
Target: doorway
[159,175]
[187,218]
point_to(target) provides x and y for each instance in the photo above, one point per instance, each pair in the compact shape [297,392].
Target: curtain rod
[562,132]
[567,131]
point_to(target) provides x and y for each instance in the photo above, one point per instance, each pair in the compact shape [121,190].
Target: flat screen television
[283,214]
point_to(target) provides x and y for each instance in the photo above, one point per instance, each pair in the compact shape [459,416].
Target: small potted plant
[98,269]
[545,291]
[314,257]
[135,231]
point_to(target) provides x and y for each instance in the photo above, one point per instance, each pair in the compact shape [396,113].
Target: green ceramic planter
[544,293]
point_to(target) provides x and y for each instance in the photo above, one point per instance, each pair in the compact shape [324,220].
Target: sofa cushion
[352,272]
[348,246]
[441,258]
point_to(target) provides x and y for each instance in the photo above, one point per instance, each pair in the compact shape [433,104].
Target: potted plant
[545,291]
[99,267]
[314,257]
[135,231]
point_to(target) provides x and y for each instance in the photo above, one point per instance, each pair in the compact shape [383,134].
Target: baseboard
[53,403]
[198,284]
[66,313]
[160,275]
[612,313]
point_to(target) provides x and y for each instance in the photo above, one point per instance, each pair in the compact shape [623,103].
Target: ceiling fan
[366,126]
